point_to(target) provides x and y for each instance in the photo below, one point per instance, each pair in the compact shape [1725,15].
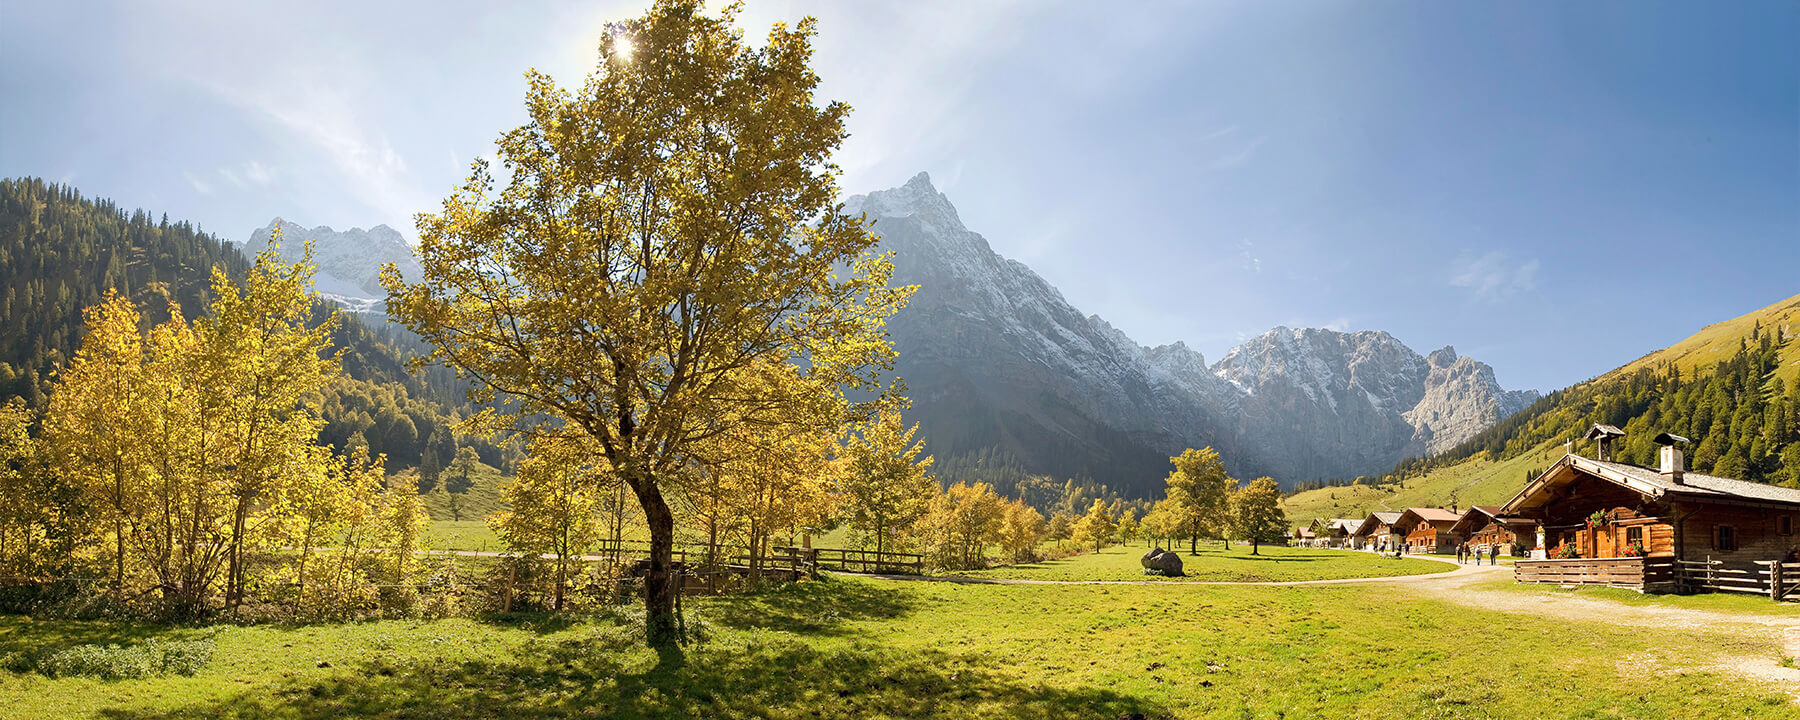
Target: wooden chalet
[1334,532]
[1605,522]
[1427,530]
[1486,526]
[1376,532]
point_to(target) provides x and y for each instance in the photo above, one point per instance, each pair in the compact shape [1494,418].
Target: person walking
[1462,552]
[1494,554]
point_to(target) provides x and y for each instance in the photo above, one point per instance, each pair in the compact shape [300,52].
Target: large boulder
[1162,562]
[1149,558]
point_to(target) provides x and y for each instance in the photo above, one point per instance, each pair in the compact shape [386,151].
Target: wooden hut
[1334,532]
[1427,530]
[1485,526]
[1376,532]
[1604,522]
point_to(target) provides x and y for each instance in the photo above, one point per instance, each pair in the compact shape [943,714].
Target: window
[1784,525]
[1634,536]
[1724,538]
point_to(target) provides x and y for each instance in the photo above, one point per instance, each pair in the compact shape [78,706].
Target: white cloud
[1493,276]
[1216,134]
[1247,254]
[324,118]
[257,174]
[200,186]
[251,173]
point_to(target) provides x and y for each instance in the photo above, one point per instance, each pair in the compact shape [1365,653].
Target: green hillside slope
[60,252]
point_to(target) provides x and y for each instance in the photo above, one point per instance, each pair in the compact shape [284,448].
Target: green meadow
[847,646]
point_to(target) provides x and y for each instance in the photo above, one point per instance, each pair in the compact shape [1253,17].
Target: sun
[623,47]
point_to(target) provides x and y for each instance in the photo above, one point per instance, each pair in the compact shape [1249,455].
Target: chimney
[1671,456]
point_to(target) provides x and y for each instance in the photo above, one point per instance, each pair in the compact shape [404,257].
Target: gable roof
[1479,516]
[1368,524]
[1653,484]
[1437,517]
[1435,514]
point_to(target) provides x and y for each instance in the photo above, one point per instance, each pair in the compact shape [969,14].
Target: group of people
[1464,553]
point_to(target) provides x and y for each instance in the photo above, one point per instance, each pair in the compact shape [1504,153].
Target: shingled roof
[1435,514]
[1368,524]
[1479,516]
[1650,482]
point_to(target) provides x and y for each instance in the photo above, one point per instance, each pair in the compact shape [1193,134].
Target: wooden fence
[1641,574]
[1777,580]
[851,560]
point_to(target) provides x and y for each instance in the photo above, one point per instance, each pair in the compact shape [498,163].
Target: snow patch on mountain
[988,344]
[349,261]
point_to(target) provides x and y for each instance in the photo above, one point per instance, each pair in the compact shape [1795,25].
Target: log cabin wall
[1755,533]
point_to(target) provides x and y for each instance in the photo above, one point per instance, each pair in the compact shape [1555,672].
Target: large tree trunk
[659,592]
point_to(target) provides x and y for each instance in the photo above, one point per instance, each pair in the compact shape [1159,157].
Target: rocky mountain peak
[349,261]
[996,357]
[917,198]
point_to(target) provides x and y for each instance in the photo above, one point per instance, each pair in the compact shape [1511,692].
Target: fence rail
[1637,573]
[1775,579]
[853,560]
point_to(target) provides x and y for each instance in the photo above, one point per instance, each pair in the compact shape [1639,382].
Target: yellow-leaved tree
[260,340]
[1021,528]
[1256,512]
[1198,495]
[1129,527]
[666,244]
[962,522]
[97,421]
[553,502]
[1096,526]
[40,516]
[887,483]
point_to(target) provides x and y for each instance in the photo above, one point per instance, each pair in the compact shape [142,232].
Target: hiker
[1461,550]
[1494,554]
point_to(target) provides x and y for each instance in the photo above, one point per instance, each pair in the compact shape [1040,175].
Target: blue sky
[1554,188]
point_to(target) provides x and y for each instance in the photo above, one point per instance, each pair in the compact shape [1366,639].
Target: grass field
[464,535]
[848,647]
[1273,564]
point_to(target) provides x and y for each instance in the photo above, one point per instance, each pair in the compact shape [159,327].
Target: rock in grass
[1163,562]
[1148,559]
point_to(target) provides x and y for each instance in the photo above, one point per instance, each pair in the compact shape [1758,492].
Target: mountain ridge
[1041,377]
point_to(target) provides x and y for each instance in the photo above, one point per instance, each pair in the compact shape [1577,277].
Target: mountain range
[997,361]
[995,358]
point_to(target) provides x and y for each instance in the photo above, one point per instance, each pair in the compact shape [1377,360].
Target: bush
[120,662]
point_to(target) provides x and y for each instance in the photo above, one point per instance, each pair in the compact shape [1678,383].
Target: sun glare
[622,47]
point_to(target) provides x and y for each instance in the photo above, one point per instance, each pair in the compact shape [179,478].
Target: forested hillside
[61,251]
[1729,388]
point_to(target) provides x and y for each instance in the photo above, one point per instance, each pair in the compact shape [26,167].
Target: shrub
[124,662]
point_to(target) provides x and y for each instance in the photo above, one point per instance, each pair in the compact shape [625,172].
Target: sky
[1554,188]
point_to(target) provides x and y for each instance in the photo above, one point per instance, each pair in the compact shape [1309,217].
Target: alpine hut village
[799,359]
[1657,529]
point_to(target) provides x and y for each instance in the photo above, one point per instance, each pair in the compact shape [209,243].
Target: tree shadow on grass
[814,607]
[754,674]
[25,635]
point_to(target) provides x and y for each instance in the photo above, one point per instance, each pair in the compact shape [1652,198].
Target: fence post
[1775,580]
